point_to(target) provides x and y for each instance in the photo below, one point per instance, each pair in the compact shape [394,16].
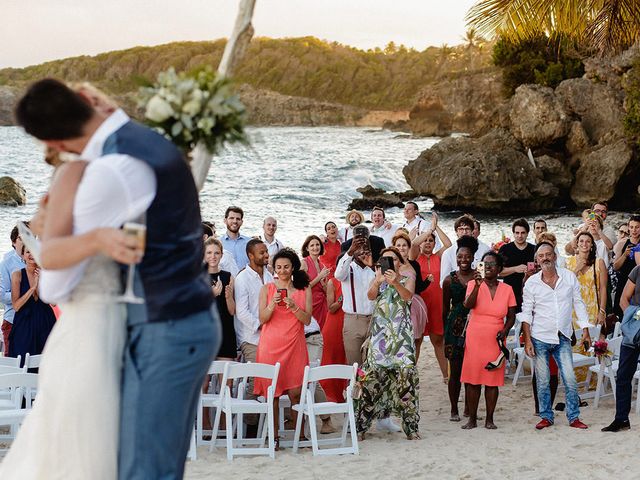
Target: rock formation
[576,136]
[377,197]
[12,194]
[8,98]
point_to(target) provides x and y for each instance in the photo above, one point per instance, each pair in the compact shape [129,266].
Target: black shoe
[617,426]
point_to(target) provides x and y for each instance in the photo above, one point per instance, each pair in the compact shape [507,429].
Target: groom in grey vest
[173,337]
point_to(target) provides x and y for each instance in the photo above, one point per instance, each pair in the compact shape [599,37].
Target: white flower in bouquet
[158,110]
[195,108]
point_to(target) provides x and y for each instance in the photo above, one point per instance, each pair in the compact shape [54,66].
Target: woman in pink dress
[282,317]
[331,247]
[312,249]
[333,351]
[489,302]
[423,251]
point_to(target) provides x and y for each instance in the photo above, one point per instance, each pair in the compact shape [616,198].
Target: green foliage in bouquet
[194,107]
[541,60]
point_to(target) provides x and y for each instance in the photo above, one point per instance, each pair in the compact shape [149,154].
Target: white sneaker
[387,425]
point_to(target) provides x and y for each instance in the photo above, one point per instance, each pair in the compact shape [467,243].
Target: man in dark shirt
[517,255]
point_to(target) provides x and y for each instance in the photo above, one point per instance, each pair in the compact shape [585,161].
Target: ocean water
[302,176]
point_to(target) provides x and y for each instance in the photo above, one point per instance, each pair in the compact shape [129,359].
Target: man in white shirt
[413,220]
[11,262]
[354,218]
[463,225]
[381,228]
[549,299]
[247,296]
[269,228]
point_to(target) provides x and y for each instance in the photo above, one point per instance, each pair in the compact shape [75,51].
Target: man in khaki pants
[355,272]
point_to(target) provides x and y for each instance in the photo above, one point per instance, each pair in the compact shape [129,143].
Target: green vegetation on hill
[386,78]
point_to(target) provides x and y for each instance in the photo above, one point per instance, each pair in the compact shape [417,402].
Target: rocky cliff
[465,102]
[8,97]
[542,149]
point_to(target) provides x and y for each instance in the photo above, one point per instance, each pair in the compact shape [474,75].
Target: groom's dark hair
[52,111]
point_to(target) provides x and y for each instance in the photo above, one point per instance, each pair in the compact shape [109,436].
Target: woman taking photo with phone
[489,302]
[282,318]
[390,385]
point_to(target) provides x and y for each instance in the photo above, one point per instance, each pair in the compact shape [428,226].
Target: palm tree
[607,26]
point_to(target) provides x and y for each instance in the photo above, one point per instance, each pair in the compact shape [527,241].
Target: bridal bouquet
[361,376]
[192,108]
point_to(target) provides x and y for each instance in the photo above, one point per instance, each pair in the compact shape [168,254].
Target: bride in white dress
[72,431]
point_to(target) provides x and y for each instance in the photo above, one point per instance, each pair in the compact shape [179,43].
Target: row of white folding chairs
[30,361]
[520,356]
[239,406]
[22,387]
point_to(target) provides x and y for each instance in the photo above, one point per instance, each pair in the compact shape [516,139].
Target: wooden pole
[233,52]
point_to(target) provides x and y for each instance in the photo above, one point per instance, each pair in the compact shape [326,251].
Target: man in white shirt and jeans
[247,296]
[549,300]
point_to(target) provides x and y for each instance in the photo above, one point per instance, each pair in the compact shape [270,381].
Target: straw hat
[351,212]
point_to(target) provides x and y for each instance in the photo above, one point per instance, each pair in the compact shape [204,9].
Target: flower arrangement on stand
[602,352]
[498,245]
[195,109]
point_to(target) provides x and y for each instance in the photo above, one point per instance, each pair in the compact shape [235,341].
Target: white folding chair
[10,361]
[22,386]
[307,407]
[582,360]
[5,393]
[512,342]
[32,361]
[209,400]
[606,372]
[230,406]
[617,330]
[518,355]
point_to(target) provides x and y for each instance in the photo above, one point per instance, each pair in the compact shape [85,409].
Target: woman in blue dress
[34,319]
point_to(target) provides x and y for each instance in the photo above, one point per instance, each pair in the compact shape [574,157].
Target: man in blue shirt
[11,262]
[232,240]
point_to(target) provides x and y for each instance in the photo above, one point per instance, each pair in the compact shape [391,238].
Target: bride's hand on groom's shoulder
[114,243]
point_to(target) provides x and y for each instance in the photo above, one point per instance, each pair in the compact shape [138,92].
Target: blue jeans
[164,367]
[564,358]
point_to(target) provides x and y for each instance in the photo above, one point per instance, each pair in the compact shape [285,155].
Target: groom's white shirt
[114,189]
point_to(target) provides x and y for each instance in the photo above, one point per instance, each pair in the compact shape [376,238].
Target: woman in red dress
[333,351]
[489,302]
[422,249]
[331,247]
[282,317]
[312,249]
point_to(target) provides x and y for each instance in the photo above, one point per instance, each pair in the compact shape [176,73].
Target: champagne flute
[139,232]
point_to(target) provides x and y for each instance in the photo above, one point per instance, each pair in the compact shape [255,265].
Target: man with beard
[232,240]
[549,299]
[354,218]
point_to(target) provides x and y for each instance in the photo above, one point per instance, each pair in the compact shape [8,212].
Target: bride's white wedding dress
[72,431]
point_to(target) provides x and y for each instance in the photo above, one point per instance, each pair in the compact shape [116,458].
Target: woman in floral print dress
[390,385]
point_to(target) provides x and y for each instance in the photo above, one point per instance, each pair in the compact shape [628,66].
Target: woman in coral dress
[312,249]
[422,250]
[331,247]
[283,317]
[333,351]
[489,301]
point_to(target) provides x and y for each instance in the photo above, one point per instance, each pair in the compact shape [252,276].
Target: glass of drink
[139,232]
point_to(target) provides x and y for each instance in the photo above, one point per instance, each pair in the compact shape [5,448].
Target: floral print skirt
[387,391]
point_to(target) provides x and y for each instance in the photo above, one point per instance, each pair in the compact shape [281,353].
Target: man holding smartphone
[549,299]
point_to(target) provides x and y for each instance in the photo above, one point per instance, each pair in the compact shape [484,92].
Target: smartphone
[531,266]
[361,231]
[591,216]
[283,295]
[386,263]
[480,269]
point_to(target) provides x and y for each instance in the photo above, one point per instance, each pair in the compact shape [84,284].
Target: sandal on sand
[454,418]
[414,436]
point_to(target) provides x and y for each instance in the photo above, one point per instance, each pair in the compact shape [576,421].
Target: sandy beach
[515,450]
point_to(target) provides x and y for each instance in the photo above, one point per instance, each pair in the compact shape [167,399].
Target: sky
[35,31]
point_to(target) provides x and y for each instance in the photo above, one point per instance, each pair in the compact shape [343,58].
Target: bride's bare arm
[61,249]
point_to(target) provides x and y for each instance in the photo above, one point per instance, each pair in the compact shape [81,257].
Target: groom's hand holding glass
[119,245]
